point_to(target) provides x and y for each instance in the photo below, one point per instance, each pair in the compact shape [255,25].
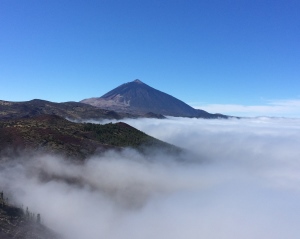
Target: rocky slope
[137,97]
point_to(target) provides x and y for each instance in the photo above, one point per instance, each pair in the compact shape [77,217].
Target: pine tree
[38,218]
[27,213]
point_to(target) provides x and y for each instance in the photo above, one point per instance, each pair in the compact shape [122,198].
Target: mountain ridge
[54,134]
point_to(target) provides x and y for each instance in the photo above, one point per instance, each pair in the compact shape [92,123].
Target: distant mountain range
[137,97]
[70,110]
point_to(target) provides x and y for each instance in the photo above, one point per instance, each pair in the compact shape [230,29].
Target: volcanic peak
[140,98]
[138,81]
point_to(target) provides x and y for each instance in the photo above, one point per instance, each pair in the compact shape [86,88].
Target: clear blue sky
[210,53]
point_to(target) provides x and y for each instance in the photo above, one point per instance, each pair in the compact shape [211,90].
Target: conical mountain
[138,97]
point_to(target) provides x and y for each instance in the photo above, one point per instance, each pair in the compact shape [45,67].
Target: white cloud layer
[278,108]
[243,182]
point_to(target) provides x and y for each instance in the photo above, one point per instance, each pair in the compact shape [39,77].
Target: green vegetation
[121,135]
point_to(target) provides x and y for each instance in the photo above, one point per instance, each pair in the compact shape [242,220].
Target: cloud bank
[241,180]
[275,108]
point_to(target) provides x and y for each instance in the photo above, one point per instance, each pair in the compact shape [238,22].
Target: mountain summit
[138,97]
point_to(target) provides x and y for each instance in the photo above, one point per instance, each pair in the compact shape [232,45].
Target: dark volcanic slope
[138,97]
[50,133]
[71,110]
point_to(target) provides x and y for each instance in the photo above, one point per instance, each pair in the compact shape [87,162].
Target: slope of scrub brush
[123,135]
[50,133]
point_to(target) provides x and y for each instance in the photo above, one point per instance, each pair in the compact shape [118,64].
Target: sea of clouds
[240,179]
